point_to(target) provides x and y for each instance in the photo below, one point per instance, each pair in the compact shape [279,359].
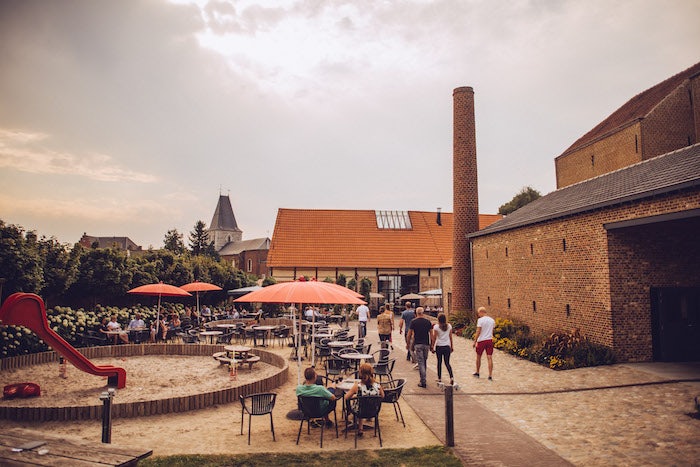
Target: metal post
[106,398]
[449,417]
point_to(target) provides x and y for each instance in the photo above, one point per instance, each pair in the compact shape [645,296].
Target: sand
[215,430]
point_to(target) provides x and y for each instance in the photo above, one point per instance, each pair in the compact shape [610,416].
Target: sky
[130,118]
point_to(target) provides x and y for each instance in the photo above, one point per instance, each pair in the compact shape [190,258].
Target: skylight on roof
[396,220]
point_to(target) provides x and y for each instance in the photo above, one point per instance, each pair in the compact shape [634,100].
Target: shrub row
[559,350]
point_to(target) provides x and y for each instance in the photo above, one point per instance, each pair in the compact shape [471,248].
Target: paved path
[625,414]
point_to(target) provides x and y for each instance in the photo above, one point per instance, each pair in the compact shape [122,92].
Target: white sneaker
[415,367]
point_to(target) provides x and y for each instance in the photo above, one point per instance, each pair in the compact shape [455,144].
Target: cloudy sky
[129,118]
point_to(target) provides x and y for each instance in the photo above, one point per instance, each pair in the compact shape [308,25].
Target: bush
[562,350]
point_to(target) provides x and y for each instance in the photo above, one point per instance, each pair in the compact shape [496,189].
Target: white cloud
[28,152]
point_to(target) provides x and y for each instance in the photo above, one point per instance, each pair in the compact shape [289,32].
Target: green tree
[525,195]
[365,287]
[199,241]
[60,268]
[105,276]
[20,260]
[342,280]
[173,242]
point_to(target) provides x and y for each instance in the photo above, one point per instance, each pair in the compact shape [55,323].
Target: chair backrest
[393,389]
[258,404]
[314,406]
[337,364]
[381,355]
[369,406]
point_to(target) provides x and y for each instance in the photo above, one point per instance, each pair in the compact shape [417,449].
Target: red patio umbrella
[197,287]
[160,290]
[303,292]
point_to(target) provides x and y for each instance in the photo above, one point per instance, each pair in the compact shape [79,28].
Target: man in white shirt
[483,340]
[363,317]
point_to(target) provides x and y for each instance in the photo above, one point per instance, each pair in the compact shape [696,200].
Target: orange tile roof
[344,238]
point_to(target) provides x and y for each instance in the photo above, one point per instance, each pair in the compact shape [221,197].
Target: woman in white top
[367,386]
[442,345]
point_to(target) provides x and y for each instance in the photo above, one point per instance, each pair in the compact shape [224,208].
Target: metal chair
[365,407]
[313,408]
[384,369]
[392,394]
[225,338]
[335,367]
[258,404]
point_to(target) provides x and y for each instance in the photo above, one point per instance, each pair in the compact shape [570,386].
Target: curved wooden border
[142,408]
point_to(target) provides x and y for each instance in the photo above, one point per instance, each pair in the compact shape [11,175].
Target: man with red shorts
[483,340]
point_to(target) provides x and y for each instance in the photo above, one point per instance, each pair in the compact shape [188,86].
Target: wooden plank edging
[142,408]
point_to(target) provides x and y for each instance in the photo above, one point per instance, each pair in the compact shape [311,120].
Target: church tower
[223,228]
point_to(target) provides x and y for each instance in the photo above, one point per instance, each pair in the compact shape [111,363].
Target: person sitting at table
[102,327]
[313,389]
[163,331]
[114,326]
[137,322]
[236,314]
[367,386]
[174,323]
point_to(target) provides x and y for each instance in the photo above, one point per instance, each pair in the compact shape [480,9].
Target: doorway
[675,321]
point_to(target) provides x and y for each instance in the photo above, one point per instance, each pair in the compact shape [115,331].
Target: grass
[414,457]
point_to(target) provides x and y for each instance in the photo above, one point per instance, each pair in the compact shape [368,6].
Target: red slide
[27,309]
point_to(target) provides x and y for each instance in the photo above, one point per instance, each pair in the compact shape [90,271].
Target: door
[675,318]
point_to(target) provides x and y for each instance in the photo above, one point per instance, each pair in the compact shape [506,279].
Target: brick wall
[612,153]
[564,267]
[655,255]
[465,195]
[670,125]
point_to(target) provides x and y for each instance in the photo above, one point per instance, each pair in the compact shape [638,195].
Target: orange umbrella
[303,292]
[159,289]
[197,287]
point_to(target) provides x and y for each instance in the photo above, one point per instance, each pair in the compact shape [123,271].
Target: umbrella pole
[157,319]
[296,414]
[301,314]
[313,338]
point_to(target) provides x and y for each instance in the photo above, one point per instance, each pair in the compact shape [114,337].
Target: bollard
[449,417]
[106,398]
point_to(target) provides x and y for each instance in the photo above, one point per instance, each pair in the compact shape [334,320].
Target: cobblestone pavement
[624,414]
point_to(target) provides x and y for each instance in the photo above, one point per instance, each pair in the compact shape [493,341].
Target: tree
[173,242]
[60,267]
[199,241]
[526,195]
[365,287]
[20,260]
[105,276]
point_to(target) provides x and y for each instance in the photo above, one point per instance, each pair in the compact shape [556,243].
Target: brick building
[613,251]
[400,252]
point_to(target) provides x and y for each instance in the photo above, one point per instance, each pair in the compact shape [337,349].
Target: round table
[241,350]
[340,344]
[346,384]
[227,325]
[356,358]
[116,334]
[211,335]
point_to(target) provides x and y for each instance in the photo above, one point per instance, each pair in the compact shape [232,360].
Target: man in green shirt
[310,388]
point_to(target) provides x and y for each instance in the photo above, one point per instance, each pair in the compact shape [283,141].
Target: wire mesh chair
[258,404]
[392,394]
[315,408]
[365,407]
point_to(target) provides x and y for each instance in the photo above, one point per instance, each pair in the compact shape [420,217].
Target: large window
[397,220]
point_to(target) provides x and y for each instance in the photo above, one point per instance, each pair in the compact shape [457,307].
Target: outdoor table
[211,335]
[116,334]
[267,330]
[346,384]
[227,325]
[323,336]
[340,344]
[240,352]
[356,357]
[64,451]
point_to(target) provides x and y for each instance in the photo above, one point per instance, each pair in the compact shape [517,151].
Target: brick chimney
[465,195]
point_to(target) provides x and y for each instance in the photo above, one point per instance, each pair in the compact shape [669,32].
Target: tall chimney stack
[465,196]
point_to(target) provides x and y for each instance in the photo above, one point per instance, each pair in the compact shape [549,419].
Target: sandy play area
[214,430]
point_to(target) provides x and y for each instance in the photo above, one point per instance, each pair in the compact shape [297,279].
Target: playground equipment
[28,310]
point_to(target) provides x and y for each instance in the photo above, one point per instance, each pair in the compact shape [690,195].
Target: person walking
[442,346]
[420,339]
[362,318]
[483,340]
[406,317]
[385,324]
